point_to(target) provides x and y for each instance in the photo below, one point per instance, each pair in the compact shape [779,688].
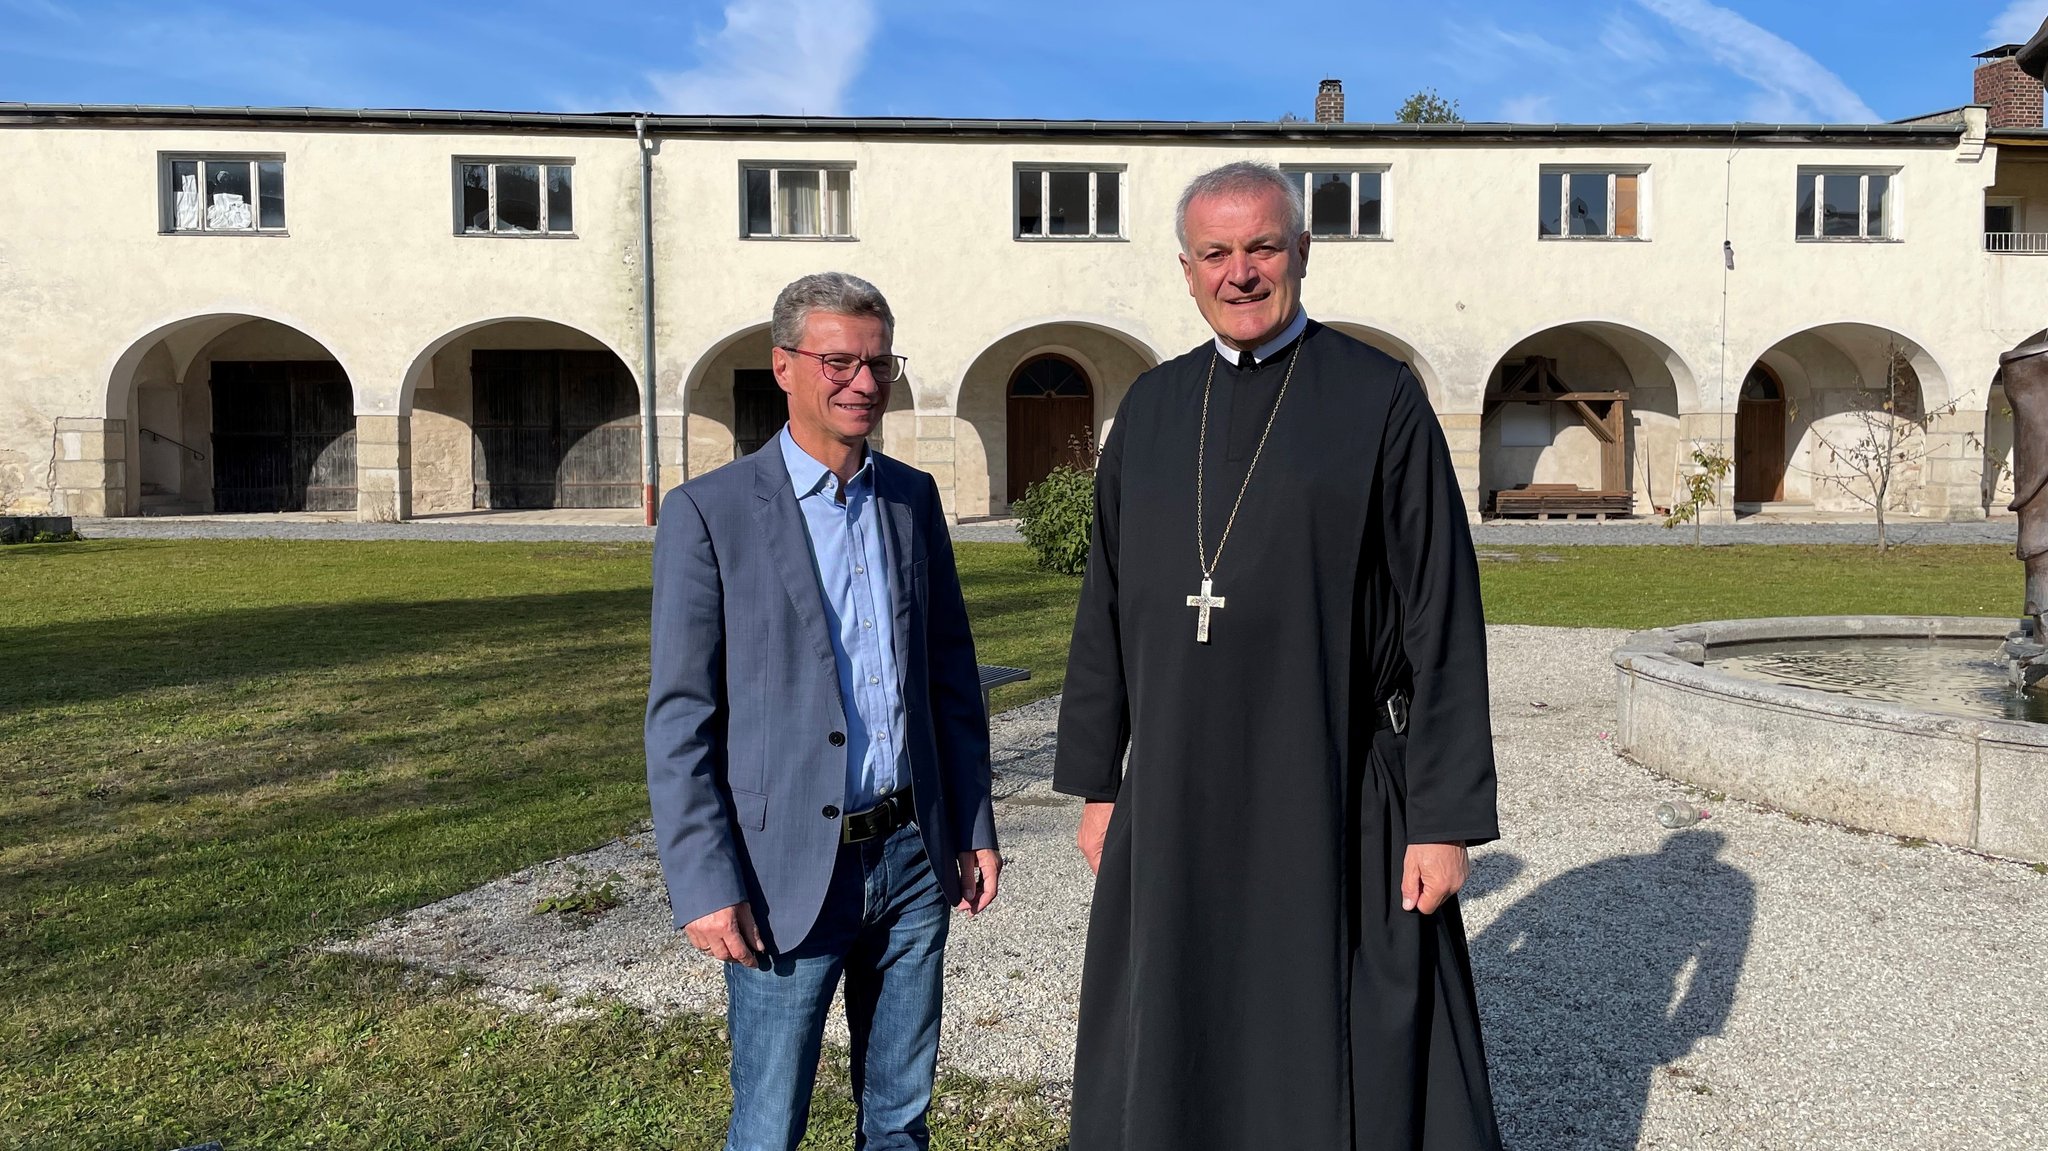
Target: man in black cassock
[1281,622]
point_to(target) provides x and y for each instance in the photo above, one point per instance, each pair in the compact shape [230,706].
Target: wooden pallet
[1567,501]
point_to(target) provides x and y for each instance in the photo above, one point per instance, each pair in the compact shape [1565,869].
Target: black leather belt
[1392,713]
[882,819]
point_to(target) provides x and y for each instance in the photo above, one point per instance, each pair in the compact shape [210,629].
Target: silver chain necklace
[1208,600]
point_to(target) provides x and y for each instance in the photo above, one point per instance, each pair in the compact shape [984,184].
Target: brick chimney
[1330,100]
[2013,96]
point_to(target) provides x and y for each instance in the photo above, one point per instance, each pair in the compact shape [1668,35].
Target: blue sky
[1592,60]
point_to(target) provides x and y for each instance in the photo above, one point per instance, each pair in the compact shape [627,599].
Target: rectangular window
[1070,203]
[1601,204]
[1846,204]
[515,197]
[1344,203]
[223,194]
[797,201]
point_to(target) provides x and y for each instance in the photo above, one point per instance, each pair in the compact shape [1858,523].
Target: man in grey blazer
[817,752]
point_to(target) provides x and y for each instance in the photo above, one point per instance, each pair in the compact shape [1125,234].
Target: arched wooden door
[1760,439]
[1051,420]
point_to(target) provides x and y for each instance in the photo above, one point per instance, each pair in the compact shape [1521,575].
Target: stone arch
[1863,343]
[1111,359]
[1402,350]
[521,412]
[1835,376]
[174,454]
[1524,443]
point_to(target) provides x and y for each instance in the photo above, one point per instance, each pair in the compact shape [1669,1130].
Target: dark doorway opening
[760,407]
[554,429]
[1051,420]
[1760,439]
[284,437]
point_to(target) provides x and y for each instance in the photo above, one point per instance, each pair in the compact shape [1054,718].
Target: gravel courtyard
[1757,982]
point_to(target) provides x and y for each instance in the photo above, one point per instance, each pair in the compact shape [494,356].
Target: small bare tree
[1882,441]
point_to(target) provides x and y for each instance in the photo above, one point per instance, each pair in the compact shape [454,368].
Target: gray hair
[1245,177]
[834,292]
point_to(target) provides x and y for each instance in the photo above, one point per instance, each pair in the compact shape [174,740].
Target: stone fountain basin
[1975,783]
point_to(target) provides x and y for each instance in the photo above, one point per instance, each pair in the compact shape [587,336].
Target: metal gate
[554,429]
[284,437]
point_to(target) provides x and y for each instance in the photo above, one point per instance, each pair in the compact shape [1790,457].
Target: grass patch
[1643,587]
[215,755]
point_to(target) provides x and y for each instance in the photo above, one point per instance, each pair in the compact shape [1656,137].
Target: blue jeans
[884,927]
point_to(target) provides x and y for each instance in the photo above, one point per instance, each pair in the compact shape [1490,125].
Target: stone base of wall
[89,467]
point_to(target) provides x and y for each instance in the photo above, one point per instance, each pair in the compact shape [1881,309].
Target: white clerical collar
[1267,350]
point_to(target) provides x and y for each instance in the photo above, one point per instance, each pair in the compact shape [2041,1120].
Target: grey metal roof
[610,123]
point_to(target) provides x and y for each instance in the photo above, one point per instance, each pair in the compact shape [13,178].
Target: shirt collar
[1267,350]
[807,475]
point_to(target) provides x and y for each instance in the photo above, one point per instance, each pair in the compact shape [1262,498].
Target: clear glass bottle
[1676,813]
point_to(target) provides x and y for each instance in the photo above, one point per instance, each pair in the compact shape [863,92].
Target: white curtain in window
[800,209]
[228,211]
[838,203]
[188,202]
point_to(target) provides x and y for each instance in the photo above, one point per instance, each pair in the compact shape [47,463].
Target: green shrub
[1055,517]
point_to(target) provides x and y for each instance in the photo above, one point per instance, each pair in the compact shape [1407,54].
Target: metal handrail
[2017,243]
[196,453]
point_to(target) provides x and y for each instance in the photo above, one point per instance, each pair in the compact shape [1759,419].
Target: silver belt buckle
[1397,712]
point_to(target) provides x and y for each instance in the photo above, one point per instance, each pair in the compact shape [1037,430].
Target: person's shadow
[1601,976]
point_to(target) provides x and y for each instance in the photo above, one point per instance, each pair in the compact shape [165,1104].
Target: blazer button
[836,739]
[831,812]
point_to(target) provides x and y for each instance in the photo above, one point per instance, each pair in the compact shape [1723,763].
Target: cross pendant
[1203,603]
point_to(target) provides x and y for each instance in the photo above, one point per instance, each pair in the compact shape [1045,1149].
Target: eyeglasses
[842,367]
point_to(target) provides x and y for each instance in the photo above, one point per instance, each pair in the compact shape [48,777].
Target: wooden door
[600,434]
[553,429]
[1051,414]
[284,436]
[514,395]
[323,437]
[760,408]
[1759,450]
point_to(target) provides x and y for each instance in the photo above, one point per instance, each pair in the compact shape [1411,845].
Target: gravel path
[512,527]
[1756,982]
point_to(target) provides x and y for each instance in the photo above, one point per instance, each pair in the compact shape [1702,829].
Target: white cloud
[773,57]
[2017,24]
[1792,84]
[1625,40]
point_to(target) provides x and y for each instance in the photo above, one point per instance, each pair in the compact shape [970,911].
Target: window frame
[167,192]
[1566,171]
[1094,235]
[462,227]
[820,168]
[1384,171]
[1815,176]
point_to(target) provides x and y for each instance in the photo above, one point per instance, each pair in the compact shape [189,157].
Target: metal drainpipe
[650,443]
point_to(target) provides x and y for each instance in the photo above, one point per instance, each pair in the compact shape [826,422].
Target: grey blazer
[746,755]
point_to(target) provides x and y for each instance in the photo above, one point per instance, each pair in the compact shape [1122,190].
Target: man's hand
[1432,873]
[729,936]
[1094,826]
[978,872]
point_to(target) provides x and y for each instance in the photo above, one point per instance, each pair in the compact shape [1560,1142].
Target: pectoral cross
[1202,603]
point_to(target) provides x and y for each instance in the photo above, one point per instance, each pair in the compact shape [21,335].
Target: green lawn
[215,755]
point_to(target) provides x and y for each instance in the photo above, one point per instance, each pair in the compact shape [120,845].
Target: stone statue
[2024,371]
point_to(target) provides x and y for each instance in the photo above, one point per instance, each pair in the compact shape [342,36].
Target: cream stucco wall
[103,306]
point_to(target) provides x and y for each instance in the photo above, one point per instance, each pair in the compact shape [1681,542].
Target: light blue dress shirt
[860,608]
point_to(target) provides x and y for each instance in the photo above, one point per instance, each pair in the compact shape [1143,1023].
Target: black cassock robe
[1251,980]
